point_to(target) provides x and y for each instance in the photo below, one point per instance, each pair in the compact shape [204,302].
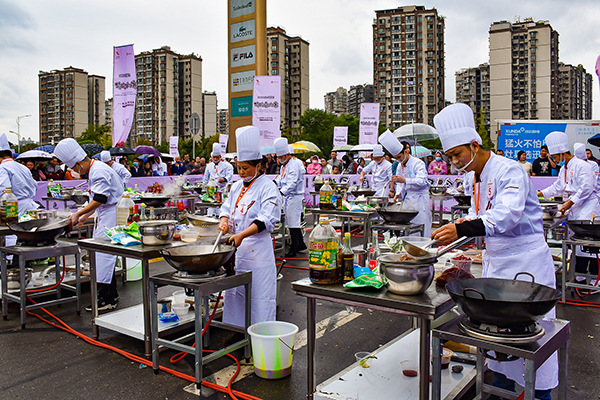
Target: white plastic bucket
[272,344]
[134,270]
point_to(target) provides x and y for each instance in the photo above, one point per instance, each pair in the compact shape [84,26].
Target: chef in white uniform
[18,177]
[118,167]
[291,184]
[580,152]
[381,170]
[219,169]
[410,184]
[106,189]
[250,213]
[506,210]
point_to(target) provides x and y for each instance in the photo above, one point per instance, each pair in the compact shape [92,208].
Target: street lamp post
[19,130]
[18,138]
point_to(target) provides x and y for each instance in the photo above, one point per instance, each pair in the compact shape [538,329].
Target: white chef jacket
[507,204]
[18,177]
[121,171]
[382,175]
[159,169]
[291,184]
[217,171]
[596,171]
[262,202]
[415,192]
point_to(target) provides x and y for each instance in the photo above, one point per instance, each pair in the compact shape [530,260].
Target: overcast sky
[45,35]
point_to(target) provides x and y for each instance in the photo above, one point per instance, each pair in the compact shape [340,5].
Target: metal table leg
[154,326]
[93,293]
[4,285]
[78,282]
[146,307]
[22,295]
[248,298]
[311,356]
[529,380]
[480,371]
[564,272]
[367,232]
[198,336]
[424,359]
[436,386]
[563,359]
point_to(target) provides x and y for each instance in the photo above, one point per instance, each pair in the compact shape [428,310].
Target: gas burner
[588,249]
[21,243]
[207,277]
[518,335]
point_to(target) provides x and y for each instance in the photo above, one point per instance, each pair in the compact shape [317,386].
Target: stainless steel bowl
[13,280]
[378,202]
[206,226]
[438,190]
[550,210]
[156,233]
[405,278]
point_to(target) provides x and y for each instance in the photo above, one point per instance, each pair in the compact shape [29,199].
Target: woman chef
[119,168]
[382,172]
[291,184]
[250,213]
[506,210]
[106,188]
[411,174]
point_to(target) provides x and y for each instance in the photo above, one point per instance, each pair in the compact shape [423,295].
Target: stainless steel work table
[569,269]
[126,321]
[440,198]
[366,217]
[425,307]
[26,253]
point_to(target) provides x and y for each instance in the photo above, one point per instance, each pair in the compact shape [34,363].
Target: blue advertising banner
[528,137]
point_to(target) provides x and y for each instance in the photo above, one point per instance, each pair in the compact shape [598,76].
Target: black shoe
[290,253]
[103,305]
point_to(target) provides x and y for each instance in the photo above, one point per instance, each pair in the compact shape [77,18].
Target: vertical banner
[369,123]
[174,146]
[598,67]
[223,139]
[266,108]
[124,93]
[340,138]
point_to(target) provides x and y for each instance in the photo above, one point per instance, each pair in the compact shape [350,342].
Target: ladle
[417,251]
[217,242]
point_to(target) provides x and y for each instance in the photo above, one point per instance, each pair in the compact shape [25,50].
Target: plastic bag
[367,280]
[117,235]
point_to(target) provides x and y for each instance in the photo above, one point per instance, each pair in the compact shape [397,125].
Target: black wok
[40,230]
[363,192]
[585,228]
[503,302]
[395,215]
[198,258]
[463,200]
[152,201]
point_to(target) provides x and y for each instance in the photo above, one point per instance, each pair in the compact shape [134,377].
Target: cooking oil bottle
[325,195]
[9,207]
[322,248]
[347,259]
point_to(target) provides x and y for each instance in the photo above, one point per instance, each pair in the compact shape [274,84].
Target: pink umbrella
[147,150]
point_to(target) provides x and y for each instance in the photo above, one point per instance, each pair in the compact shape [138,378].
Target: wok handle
[524,273]
[473,290]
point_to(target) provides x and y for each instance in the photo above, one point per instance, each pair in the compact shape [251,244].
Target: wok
[396,215]
[463,200]
[40,230]
[363,192]
[585,228]
[197,259]
[503,302]
[152,201]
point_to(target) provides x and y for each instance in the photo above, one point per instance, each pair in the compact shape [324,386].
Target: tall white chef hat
[105,156]
[69,152]
[391,143]
[378,150]
[558,142]
[248,143]
[216,151]
[290,149]
[4,143]
[579,150]
[455,126]
[281,146]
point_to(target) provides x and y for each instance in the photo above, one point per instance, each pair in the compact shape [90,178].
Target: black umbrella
[121,151]
[92,148]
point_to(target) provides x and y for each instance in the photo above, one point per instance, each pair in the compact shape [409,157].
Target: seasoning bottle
[347,259]
[152,215]
[340,269]
[143,212]
[9,207]
[322,248]
[374,253]
[136,213]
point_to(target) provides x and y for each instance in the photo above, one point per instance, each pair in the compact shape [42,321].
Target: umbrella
[300,148]
[121,151]
[264,150]
[416,131]
[48,148]
[345,147]
[363,147]
[92,148]
[97,155]
[163,156]
[419,151]
[146,150]
[231,156]
[595,140]
[309,145]
[35,154]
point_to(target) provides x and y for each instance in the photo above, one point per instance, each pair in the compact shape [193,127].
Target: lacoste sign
[242,31]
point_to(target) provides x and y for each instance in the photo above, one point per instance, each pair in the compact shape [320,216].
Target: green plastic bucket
[272,344]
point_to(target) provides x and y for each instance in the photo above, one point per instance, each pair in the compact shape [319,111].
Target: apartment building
[108,107]
[209,114]
[288,57]
[357,95]
[223,121]
[337,102]
[575,92]
[190,92]
[473,89]
[69,101]
[408,64]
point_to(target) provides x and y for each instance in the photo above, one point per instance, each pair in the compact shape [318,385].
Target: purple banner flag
[124,93]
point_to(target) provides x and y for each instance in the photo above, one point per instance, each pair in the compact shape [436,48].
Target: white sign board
[241,81]
[241,7]
[340,138]
[174,146]
[242,31]
[241,56]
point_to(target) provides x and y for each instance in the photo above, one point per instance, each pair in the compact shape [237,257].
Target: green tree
[143,142]
[483,131]
[99,134]
[29,146]
[317,127]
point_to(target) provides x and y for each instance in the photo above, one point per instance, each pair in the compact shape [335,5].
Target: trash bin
[272,344]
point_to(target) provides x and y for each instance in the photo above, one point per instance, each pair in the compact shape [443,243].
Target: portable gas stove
[588,244]
[23,243]
[516,335]
[199,278]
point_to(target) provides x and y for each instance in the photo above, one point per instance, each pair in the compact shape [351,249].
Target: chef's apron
[293,210]
[106,217]
[381,187]
[503,258]
[254,254]
[419,201]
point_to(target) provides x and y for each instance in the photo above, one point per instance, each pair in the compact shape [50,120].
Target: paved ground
[44,362]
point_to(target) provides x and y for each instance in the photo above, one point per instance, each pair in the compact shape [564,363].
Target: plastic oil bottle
[325,195]
[322,248]
[123,207]
[9,207]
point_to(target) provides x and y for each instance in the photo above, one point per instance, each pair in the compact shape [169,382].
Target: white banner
[223,139]
[124,93]
[369,123]
[242,31]
[174,146]
[340,138]
[266,108]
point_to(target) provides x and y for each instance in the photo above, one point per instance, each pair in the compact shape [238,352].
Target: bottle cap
[347,234]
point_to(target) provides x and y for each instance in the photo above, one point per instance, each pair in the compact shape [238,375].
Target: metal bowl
[13,280]
[156,233]
[463,200]
[438,190]
[198,259]
[550,210]
[406,278]
[378,202]
[206,226]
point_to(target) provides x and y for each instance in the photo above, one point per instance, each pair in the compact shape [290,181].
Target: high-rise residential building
[473,89]
[337,102]
[575,92]
[69,101]
[223,121]
[288,57]
[408,64]
[190,92]
[523,71]
[108,112]
[209,112]
[357,95]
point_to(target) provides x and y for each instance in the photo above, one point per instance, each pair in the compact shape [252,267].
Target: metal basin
[198,259]
[40,230]
[378,201]
[438,190]
[585,228]
[206,226]
[407,278]
[397,215]
[156,233]
[550,210]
